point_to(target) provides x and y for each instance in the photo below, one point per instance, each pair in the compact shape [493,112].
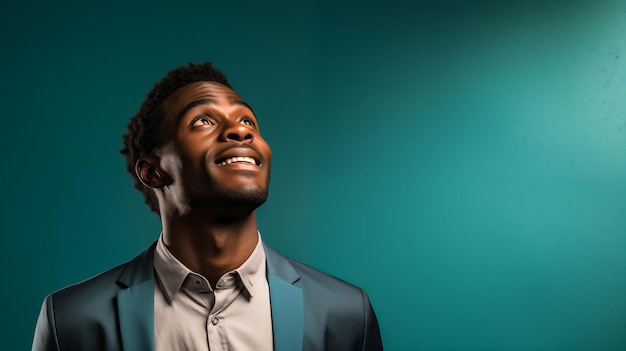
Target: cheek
[266,150]
[192,152]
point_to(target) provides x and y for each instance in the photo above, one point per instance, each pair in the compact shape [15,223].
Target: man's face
[213,149]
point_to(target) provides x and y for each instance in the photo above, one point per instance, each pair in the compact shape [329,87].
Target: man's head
[196,142]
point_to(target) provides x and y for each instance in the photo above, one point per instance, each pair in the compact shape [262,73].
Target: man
[208,282]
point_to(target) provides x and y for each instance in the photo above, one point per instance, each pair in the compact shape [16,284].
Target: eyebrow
[208,102]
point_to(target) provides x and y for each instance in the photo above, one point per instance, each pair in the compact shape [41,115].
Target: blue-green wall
[464,163]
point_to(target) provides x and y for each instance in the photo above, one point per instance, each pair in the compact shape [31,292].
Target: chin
[242,198]
[247,199]
[247,195]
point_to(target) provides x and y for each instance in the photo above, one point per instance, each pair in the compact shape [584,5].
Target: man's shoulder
[88,287]
[315,281]
[103,286]
[322,278]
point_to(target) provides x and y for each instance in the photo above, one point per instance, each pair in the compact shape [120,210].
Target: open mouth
[236,159]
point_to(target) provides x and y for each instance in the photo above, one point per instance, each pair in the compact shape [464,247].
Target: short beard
[249,199]
[237,200]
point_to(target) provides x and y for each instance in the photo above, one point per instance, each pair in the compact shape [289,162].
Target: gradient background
[464,163]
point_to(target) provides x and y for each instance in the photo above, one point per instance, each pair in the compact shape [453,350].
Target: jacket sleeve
[45,338]
[372,340]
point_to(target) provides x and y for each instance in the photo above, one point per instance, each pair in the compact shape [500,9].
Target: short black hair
[143,135]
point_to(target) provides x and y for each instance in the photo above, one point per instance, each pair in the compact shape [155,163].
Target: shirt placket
[226,291]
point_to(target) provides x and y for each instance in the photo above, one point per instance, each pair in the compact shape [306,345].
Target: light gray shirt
[189,314]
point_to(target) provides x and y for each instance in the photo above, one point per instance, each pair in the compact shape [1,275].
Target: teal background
[465,163]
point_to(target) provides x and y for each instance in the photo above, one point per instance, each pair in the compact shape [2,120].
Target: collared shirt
[189,314]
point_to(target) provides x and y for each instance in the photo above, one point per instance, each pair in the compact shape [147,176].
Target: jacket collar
[135,302]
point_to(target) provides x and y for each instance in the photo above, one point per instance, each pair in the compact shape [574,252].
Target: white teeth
[238,159]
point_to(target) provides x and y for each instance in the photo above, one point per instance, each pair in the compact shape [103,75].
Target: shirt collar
[172,273]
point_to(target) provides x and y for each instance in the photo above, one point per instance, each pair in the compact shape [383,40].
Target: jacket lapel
[286,302]
[135,303]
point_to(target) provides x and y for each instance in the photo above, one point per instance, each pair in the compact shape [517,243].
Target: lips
[244,159]
[239,155]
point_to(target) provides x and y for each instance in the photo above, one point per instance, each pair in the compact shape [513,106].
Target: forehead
[196,91]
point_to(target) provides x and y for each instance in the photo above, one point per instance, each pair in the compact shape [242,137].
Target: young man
[208,282]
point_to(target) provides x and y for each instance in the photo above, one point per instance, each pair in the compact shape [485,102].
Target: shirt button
[198,282]
[215,320]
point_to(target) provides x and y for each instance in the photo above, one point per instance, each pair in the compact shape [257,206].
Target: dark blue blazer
[311,310]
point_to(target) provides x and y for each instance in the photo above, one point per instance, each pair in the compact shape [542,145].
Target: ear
[149,172]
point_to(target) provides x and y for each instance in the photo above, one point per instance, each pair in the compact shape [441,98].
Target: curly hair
[143,136]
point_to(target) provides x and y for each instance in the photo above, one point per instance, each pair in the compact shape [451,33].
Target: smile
[235,159]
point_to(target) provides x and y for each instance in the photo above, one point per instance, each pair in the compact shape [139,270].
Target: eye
[201,121]
[247,121]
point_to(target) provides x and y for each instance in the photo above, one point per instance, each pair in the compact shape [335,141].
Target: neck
[210,246]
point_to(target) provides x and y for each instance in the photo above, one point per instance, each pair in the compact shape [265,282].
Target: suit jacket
[115,310]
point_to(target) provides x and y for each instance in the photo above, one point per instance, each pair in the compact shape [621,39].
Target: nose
[235,131]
